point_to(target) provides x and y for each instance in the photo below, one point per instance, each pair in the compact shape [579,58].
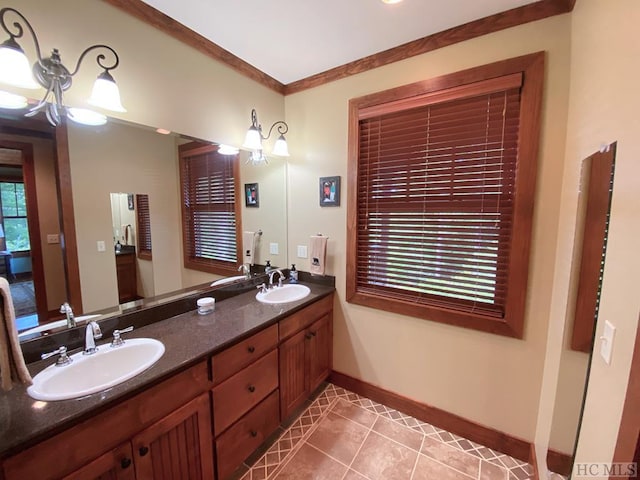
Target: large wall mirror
[594,203]
[125,160]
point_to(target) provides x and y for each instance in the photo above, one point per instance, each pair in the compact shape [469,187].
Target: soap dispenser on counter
[293,274]
[268,267]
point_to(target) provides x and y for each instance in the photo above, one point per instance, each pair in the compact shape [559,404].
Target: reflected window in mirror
[143,221]
[211,217]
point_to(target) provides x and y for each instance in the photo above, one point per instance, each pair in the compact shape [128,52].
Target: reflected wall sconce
[51,74]
[254,138]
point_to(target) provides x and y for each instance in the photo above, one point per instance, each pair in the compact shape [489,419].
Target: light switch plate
[606,345]
[53,238]
[101,246]
[302,251]
[273,248]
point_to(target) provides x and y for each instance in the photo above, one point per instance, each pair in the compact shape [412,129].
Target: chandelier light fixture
[52,75]
[254,138]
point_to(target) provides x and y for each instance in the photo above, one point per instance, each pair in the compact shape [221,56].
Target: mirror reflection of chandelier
[53,76]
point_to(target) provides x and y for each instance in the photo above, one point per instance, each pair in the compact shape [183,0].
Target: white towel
[12,366]
[318,254]
[249,246]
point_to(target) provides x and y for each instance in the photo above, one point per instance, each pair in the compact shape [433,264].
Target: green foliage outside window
[14,216]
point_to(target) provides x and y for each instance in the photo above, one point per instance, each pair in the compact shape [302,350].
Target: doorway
[28,160]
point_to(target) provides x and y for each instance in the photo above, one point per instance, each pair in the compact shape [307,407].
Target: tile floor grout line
[415,465]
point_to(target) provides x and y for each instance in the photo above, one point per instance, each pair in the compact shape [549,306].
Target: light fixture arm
[99,59]
[282,126]
[19,29]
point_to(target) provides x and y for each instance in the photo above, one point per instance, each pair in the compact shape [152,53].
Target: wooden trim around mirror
[68,240]
[601,167]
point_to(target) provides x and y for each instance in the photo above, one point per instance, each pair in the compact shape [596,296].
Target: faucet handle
[262,287]
[117,340]
[62,360]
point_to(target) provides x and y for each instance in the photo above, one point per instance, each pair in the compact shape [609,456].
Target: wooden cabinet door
[114,465]
[294,385]
[126,276]
[178,446]
[320,344]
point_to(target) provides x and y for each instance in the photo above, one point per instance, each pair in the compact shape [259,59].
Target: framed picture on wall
[251,197]
[329,191]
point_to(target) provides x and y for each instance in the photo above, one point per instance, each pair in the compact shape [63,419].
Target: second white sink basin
[93,373]
[226,280]
[284,294]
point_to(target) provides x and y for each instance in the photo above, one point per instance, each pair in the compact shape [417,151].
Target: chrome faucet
[282,277]
[92,333]
[66,309]
[246,271]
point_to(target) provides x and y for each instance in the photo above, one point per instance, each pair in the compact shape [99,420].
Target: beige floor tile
[338,437]
[399,433]
[354,412]
[489,471]
[383,459]
[451,456]
[309,463]
[429,469]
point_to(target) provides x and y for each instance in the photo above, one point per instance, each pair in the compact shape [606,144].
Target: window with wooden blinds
[210,214]
[143,220]
[440,206]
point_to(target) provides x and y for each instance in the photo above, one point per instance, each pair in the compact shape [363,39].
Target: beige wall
[465,372]
[121,158]
[604,107]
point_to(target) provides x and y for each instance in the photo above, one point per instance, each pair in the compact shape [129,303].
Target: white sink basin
[56,324]
[284,294]
[226,280]
[93,373]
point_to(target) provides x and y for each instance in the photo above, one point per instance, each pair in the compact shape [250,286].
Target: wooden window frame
[531,67]
[143,227]
[208,265]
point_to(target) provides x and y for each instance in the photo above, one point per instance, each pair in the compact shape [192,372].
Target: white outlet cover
[302,251]
[274,249]
[606,341]
[101,246]
[53,238]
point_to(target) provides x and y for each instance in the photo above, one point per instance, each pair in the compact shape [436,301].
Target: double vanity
[223,385]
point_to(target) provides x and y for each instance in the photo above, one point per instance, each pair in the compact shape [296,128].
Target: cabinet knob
[254,433]
[143,451]
[252,388]
[251,349]
[125,463]
[310,335]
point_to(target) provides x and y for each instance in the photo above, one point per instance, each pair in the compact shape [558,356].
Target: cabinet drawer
[235,358]
[305,317]
[247,434]
[238,394]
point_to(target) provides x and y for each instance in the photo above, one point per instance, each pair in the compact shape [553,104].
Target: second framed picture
[251,197]
[329,191]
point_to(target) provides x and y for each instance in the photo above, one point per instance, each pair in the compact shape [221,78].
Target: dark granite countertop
[188,339]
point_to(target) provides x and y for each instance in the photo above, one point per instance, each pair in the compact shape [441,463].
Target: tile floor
[343,436]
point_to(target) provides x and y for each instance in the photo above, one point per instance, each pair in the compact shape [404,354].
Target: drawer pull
[310,335]
[125,463]
[252,388]
[251,349]
[254,433]
[143,451]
